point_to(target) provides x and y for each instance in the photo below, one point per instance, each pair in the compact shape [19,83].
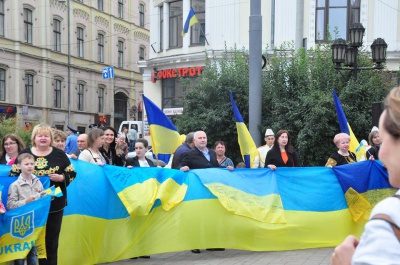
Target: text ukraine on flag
[22,228]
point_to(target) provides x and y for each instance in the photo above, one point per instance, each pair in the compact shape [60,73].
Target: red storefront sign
[176,72]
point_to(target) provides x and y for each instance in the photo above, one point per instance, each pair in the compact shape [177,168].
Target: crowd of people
[52,149]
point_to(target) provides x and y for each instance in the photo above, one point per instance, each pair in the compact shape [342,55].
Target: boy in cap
[263,150]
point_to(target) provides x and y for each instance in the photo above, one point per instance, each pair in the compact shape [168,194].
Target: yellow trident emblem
[22,225]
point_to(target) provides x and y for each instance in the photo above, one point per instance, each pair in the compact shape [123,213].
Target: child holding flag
[25,189]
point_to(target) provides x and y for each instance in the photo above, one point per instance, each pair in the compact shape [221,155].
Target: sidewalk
[320,256]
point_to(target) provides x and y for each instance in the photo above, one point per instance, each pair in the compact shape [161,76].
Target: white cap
[375,129]
[269,132]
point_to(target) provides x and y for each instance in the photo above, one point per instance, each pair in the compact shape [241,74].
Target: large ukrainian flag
[102,228]
[165,137]
[355,146]
[247,146]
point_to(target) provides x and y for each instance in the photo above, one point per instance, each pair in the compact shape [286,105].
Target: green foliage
[297,96]
[206,103]
[11,126]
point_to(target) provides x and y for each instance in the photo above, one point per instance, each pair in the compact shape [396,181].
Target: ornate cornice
[99,20]
[140,35]
[81,13]
[121,28]
[57,4]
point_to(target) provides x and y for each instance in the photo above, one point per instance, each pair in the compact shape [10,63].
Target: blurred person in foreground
[379,244]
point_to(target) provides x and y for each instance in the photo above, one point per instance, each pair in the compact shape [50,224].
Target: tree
[11,126]
[297,96]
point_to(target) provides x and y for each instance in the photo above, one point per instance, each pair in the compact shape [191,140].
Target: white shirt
[259,161]
[378,244]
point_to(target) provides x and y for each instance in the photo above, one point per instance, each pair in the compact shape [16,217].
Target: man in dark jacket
[200,156]
[186,146]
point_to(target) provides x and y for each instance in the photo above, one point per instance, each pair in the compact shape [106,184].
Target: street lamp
[343,53]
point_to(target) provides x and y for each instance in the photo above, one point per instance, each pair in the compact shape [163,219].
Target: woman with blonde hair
[342,156]
[379,244]
[54,163]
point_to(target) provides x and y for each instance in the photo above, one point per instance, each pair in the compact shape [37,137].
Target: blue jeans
[31,259]
[132,145]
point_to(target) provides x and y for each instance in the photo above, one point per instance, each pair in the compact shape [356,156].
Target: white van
[138,125]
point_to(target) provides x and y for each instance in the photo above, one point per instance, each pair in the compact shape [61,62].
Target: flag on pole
[165,138]
[248,148]
[190,21]
[355,146]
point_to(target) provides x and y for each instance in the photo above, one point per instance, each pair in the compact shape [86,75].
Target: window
[334,18]
[141,53]
[81,90]
[80,41]
[1,17]
[161,28]
[197,36]
[141,15]
[2,84]
[121,8]
[175,24]
[57,94]
[28,25]
[29,89]
[120,54]
[100,5]
[57,35]
[100,44]
[172,93]
[101,99]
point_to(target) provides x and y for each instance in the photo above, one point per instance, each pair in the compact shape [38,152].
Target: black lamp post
[343,53]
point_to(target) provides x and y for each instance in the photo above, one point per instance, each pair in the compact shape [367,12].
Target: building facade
[225,24]
[52,57]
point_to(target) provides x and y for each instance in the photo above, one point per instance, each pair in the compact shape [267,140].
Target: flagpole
[201,29]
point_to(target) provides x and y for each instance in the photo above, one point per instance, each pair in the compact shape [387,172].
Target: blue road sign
[108,72]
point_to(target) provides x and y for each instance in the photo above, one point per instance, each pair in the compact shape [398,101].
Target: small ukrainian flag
[190,21]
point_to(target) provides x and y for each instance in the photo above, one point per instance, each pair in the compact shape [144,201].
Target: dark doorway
[120,109]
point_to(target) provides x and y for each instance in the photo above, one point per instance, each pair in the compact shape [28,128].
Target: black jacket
[274,157]
[195,159]
[134,161]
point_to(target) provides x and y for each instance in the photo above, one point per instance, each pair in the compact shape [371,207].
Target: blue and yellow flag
[355,146]
[22,228]
[165,137]
[190,21]
[260,201]
[140,193]
[248,148]
[363,192]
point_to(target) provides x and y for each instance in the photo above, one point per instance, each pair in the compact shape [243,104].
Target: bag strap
[386,218]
